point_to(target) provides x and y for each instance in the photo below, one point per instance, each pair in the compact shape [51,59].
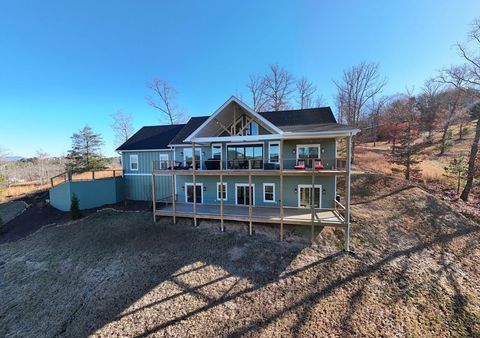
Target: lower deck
[301,216]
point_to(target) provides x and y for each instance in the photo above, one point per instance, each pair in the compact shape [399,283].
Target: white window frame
[274,194]
[186,192]
[244,185]
[309,186]
[197,159]
[163,157]
[226,191]
[221,150]
[270,144]
[309,146]
[134,156]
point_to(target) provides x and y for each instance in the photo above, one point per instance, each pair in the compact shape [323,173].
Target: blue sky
[64,64]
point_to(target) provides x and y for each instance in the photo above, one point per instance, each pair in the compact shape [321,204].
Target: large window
[134,162]
[251,129]
[188,156]
[305,196]
[268,192]
[221,193]
[217,151]
[308,152]
[273,151]
[238,156]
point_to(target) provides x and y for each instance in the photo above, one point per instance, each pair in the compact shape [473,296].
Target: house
[278,167]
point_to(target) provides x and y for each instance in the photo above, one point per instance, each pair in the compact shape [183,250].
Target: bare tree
[122,126]
[279,85]
[428,103]
[356,89]
[165,101]
[41,161]
[306,90]
[257,87]
[471,76]
[319,101]
[376,109]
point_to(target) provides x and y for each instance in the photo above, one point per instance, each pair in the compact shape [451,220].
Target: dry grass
[415,274]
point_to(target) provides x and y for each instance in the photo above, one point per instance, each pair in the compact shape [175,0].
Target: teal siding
[327,151]
[289,184]
[145,161]
[139,187]
[91,193]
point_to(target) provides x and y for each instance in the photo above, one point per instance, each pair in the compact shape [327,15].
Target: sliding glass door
[305,196]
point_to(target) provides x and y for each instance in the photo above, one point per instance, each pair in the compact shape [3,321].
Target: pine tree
[85,152]
[457,168]
[75,207]
[406,152]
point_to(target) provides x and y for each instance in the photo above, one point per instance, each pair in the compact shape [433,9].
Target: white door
[305,196]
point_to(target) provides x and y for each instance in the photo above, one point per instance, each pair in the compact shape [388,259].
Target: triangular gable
[221,120]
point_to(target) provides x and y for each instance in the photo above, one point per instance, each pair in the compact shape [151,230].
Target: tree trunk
[460,131]
[458,182]
[444,140]
[471,164]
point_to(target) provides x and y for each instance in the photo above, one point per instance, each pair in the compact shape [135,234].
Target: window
[238,156]
[273,151]
[134,162]
[268,192]
[217,151]
[305,196]
[189,192]
[188,156]
[163,161]
[251,129]
[221,193]
[308,152]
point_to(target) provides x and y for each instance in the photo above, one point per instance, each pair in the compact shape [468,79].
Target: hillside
[414,273]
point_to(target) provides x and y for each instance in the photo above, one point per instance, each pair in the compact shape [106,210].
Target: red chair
[318,164]
[300,165]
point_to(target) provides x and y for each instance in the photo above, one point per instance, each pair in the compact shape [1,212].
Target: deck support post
[280,156]
[312,205]
[222,228]
[194,168]
[347,192]
[250,197]
[174,206]
[154,204]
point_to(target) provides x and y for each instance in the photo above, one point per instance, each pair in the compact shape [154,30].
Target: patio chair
[318,164]
[300,165]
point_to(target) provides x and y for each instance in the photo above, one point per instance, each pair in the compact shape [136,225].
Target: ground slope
[415,273]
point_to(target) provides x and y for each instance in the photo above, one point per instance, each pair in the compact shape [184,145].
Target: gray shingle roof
[188,128]
[153,137]
[300,117]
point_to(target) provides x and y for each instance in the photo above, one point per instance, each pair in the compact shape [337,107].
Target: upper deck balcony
[257,167]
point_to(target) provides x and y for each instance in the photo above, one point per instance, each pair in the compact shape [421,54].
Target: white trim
[191,184]
[226,191]
[274,195]
[201,156]
[268,150]
[163,160]
[242,143]
[130,161]
[244,106]
[309,146]
[244,185]
[130,151]
[221,150]
[309,186]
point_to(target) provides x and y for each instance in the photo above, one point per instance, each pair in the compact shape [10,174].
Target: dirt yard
[116,273]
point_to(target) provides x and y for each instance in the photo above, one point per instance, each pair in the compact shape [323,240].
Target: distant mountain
[14,158]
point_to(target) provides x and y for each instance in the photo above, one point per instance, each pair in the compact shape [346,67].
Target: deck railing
[85,176]
[253,164]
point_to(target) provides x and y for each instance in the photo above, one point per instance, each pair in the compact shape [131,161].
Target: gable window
[134,162]
[273,151]
[221,193]
[251,129]
[163,161]
[268,192]
[217,151]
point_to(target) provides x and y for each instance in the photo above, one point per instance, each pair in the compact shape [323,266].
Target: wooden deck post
[174,206]
[153,197]
[280,157]
[250,194]
[221,197]
[312,205]
[93,174]
[347,192]
[194,169]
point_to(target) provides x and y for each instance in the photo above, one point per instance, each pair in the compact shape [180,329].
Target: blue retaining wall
[91,193]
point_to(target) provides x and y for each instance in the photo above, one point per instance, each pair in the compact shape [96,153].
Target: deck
[298,216]
[253,172]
